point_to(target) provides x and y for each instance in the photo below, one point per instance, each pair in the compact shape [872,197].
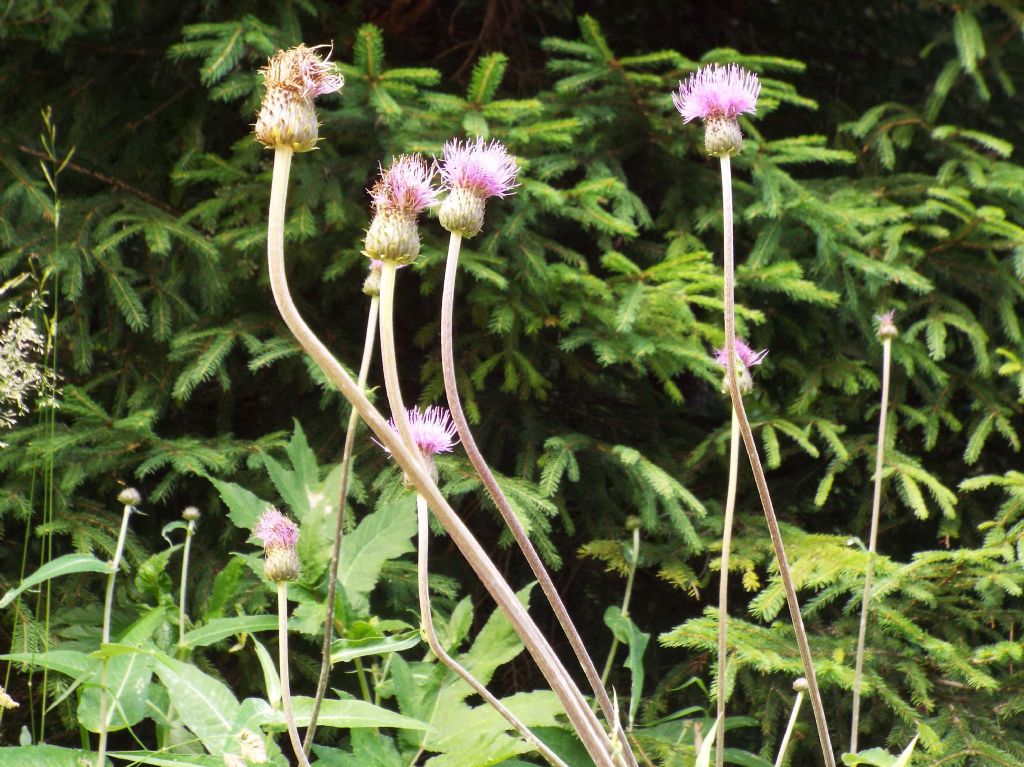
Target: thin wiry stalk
[423,572]
[332,569]
[108,609]
[876,505]
[282,662]
[595,741]
[755,464]
[501,502]
[189,531]
[723,585]
[784,745]
[626,597]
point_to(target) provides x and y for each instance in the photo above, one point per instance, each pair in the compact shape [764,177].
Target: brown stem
[282,662]
[759,477]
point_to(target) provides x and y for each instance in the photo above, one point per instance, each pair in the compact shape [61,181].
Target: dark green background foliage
[879,173]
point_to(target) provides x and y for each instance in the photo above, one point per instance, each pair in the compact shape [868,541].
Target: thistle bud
[371,285]
[462,212]
[392,236]
[746,358]
[886,327]
[190,514]
[129,497]
[279,536]
[293,78]
[6,701]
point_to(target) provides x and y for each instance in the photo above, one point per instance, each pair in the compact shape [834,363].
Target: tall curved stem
[332,569]
[755,465]
[723,585]
[501,502]
[423,572]
[597,743]
[876,505]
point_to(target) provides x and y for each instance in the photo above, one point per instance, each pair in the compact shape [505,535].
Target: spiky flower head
[433,432]
[886,327]
[472,171]
[293,78]
[279,536]
[718,95]
[190,514]
[747,358]
[402,192]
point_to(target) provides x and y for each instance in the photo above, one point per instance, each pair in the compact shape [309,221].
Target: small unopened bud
[253,748]
[371,285]
[190,514]
[632,522]
[129,497]
[800,685]
[462,212]
[886,327]
[393,236]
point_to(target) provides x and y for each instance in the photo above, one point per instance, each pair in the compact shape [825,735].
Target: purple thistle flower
[405,186]
[717,91]
[484,168]
[886,326]
[276,531]
[432,429]
[318,76]
[746,355]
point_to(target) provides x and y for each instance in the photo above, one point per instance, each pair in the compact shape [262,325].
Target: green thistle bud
[462,211]
[129,497]
[281,564]
[393,236]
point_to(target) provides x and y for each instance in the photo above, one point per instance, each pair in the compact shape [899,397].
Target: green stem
[626,597]
[282,662]
[784,745]
[501,501]
[364,687]
[332,569]
[423,572]
[876,505]
[759,478]
[723,586]
[108,608]
[595,741]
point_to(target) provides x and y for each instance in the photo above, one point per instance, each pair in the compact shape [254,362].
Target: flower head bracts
[744,353]
[487,169]
[405,186]
[717,91]
[432,430]
[275,530]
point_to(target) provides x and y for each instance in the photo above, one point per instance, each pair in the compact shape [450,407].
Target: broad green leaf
[44,756]
[350,714]
[222,628]
[343,650]
[636,641]
[369,749]
[127,683]
[271,679]
[205,705]
[70,662]
[244,508]
[69,564]
[904,758]
[381,536]
[168,760]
